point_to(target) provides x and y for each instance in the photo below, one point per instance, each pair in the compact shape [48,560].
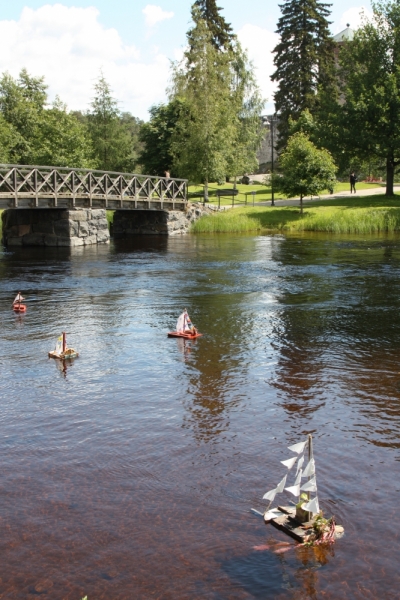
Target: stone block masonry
[128,223]
[55,227]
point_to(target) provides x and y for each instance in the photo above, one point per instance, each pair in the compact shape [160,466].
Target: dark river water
[131,473]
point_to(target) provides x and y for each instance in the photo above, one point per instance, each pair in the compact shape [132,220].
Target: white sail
[270,495]
[281,485]
[289,462]
[298,448]
[59,345]
[180,325]
[312,506]
[310,486]
[299,464]
[294,489]
[298,478]
[18,298]
[310,469]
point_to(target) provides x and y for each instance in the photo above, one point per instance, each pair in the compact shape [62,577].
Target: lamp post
[272,120]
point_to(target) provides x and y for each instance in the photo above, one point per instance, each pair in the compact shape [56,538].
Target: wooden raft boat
[304,522]
[285,520]
[61,351]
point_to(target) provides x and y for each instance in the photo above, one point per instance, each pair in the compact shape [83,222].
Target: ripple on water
[131,470]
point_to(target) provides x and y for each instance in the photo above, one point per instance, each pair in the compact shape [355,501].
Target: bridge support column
[156,222]
[54,227]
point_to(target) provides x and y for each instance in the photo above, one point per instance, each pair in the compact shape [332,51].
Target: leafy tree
[9,139]
[63,141]
[32,133]
[22,102]
[222,35]
[305,169]
[248,105]
[205,130]
[156,136]
[218,129]
[132,125]
[103,121]
[110,138]
[370,76]
[304,59]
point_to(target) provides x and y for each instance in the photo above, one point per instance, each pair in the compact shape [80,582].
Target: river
[130,474]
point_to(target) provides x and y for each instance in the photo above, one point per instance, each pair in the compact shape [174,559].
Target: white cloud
[155,14]
[259,43]
[353,17]
[69,47]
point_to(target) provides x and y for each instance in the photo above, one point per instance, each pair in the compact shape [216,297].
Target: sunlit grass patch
[231,221]
[360,220]
[376,214]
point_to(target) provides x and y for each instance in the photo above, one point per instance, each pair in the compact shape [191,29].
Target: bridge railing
[32,186]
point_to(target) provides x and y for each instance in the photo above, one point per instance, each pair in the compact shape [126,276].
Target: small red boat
[187,336]
[19,308]
[184,328]
[17,304]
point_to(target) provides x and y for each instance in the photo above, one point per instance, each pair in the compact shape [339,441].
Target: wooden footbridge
[24,186]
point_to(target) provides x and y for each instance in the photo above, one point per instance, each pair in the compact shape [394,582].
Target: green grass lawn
[262,192]
[368,214]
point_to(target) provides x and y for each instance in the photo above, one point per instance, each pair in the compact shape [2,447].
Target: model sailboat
[61,351]
[304,522]
[185,328]
[17,304]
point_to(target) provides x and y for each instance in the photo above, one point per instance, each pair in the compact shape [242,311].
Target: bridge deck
[25,186]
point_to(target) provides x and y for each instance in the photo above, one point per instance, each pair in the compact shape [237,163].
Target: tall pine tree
[304,59]
[221,31]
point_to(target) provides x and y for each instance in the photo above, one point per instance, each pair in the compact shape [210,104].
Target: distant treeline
[34,132]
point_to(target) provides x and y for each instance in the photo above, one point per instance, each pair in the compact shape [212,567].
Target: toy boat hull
[186,336]
[19,308]
[68,354]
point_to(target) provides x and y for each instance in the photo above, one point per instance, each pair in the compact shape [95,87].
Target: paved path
[373,191]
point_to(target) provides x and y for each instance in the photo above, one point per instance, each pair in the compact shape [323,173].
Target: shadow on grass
[275,219]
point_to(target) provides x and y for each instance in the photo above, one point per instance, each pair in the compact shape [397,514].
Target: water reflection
[63,366]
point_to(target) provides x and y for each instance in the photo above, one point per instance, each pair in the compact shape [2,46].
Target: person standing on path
[353,181]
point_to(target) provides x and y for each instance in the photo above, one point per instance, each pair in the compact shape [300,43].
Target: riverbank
[361,214]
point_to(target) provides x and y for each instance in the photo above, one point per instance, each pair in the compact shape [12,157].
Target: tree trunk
[234,183]
[301,204]
[206,191]
[389,175]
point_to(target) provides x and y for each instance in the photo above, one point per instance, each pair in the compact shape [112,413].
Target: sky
[132,42]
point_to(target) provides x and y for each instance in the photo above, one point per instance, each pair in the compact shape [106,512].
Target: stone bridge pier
[128,223]
[54,227]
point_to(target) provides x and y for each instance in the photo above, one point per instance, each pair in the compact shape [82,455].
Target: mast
[310,456]
[64,341]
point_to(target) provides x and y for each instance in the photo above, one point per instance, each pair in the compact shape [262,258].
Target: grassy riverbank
[370,214]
